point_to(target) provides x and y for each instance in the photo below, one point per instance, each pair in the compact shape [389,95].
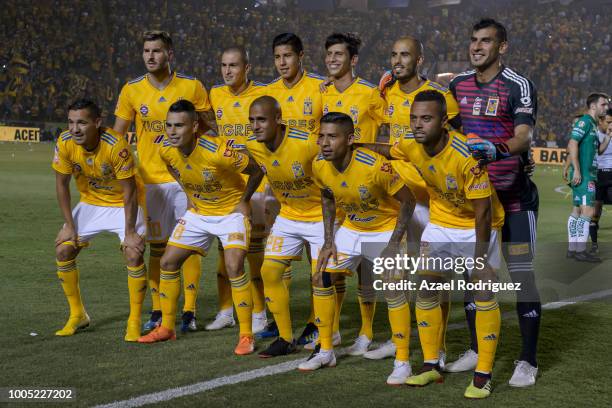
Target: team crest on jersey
[123,154]
[89,161]
[492,105]
[477,106]
[144,110]
[325,109]
[308,106]
[219,113]
[208,176]
[591,187]
[354,114]
[106,169]
[298,170]
[364,193]
[451,182]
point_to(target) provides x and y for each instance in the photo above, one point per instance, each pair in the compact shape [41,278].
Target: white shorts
[442,243]
[418,222]
[351,252]
[90,220]
[287,238]
[197,232]
[165,204]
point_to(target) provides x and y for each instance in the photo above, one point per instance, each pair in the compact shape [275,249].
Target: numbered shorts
[197,232]
[353,246]
[165,204]
[288,237]
[584,193]
[443,246]
[90,220]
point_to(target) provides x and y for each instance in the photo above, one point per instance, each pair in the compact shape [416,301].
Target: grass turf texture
[103,368]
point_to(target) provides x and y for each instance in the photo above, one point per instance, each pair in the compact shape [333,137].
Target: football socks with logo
[68,274]
[324,308]
[243,302]
[192,271]
[169,291]
[429,319]
[277,295]
[488,323]
[155,254]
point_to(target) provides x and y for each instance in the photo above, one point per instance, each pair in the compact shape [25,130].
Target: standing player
[603,187]
[583,147]
[285,154]
[499,106]
[145,100]
[230,103]
[464,209]
[103,167]
[360,100]
[298,94]
[210,173]
[363,185]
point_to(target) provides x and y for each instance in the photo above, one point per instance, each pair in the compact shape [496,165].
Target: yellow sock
[429,319]
[169,292]
[277,295]
[399,318]
[155,254]
[243,302]
[367,307]
[324,308]
[488,323]
[137,287]
[340,292]
[68,274]
[257,287]
[311,315]
[287,276]
[445,305]
[192,271]
[224,288]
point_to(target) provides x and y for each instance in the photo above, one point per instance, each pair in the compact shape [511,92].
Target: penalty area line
[178,392]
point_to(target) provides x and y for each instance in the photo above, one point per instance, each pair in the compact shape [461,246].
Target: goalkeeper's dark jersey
[491,111]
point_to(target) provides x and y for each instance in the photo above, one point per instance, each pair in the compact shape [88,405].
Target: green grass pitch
[576,368]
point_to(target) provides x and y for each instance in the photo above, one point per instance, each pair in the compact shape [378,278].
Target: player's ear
[445,121]
[351,138]
[247,69]
[354,60]
[420,62]
[170,55]
[98,122]
[196,125]
[503,48]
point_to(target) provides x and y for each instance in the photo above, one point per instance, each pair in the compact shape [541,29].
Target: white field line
[287,366]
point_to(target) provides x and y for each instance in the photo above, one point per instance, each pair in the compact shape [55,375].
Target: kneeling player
[364,185]
[464,209]
[210,175]
[104,170]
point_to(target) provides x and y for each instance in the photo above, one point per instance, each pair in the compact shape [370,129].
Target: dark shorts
[603,192]
[519,236]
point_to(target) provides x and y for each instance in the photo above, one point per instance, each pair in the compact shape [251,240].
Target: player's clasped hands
[134,241]
[66,234]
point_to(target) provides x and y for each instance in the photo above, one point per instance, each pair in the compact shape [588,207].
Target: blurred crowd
[62,50]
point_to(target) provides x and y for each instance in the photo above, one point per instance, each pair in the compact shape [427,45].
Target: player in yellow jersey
[104,169]
[285,155]
[464,209]
[378,208]
[298,94]
[348,93]
[145,101]
[210,173]
[230,103]
[362,101]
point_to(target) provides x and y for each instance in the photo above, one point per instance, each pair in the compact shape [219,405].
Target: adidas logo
[344,184]
[398,335]
[464,101]
[339,103]
[191,287]
[470,306]
[491,336]
[243,304]
[268,300]
[423,324]
[188,167]
[290,99]
[237,105]
[317,321]
[163,295]
[533,313]
[162,99]
[153,290]
[275,163]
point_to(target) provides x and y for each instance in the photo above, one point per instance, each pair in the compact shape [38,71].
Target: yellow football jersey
[232,111]
[363,191]
[148,106]
[399,103]
[211,175]
[453,178]
[289,173]
[301,104]
[363,103]
[96,172]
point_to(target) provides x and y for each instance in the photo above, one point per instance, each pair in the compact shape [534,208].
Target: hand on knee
[65,252]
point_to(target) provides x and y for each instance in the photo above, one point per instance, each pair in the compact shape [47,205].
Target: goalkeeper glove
[386,81]
[485,151]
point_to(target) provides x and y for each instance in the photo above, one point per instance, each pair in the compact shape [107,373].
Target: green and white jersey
[585,133]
